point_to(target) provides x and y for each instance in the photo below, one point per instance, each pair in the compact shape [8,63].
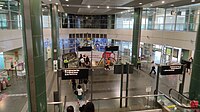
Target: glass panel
[170,19]
[182,19]
[159,21]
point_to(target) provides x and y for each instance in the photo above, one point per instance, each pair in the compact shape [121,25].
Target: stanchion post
[183,80]
[157,81]
[91,84]
[127,81]
[121,86]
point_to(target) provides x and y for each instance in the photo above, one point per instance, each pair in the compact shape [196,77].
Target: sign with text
[81,48]
[118,69]
[68,74]
[171,69]
[112,48]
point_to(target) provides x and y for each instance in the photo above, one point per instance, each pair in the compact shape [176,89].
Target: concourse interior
[99,55]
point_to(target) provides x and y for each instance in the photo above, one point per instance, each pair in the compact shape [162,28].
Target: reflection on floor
[14,97]
[105,85]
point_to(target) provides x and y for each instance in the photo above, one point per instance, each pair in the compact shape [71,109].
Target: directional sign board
[81,48]
[118,69]
[171,69]
[112,48]
[68,74]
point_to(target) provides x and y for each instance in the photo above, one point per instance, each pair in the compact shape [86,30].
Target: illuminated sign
[171,69]
[68,74]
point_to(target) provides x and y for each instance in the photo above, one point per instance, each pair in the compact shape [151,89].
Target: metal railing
[141,102]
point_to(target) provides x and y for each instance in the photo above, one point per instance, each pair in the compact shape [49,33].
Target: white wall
[10,39]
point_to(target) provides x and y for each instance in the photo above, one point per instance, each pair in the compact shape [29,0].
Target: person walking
[66,62]
[70,109]
[153,68]
[89,107]
[74,84]
[80,92]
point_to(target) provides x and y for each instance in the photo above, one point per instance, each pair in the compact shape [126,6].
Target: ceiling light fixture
[58,10]
[151,4]
[108,7]
[66,0]
[163,2]
[88,6]
[193,0]
[67,5]
[56,3]
[43,10]
[140,3]
[172,5]
[50,0]
[97,6]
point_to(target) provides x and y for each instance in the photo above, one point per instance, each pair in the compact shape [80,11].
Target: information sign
[68,74]
[171,69]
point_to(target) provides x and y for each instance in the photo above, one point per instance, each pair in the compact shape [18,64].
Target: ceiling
[113,6]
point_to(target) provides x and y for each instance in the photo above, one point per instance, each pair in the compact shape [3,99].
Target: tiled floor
[105,85]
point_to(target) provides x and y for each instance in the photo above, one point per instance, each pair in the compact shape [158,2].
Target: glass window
[170,19]
[159,20]
[150,18]
[182,19]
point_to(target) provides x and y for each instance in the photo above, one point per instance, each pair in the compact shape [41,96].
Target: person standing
[66,62]
[80,59]
[139,63]
[153,67]
[87,59]
[87,64]
[82,62]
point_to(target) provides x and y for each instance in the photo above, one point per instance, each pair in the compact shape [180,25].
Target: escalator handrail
[178,93]
[138,96]
[177,103]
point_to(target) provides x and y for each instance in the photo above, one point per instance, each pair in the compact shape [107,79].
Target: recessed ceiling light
[56,3]
[97,6]
[1,4]
[45,7]
[151,4]
[163,1]
[172,5]
[108,7]
[49,0]
[140,3]
[67,5]
[43,10]
[58,10]
[88,6]
[121,12]
[67,0]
